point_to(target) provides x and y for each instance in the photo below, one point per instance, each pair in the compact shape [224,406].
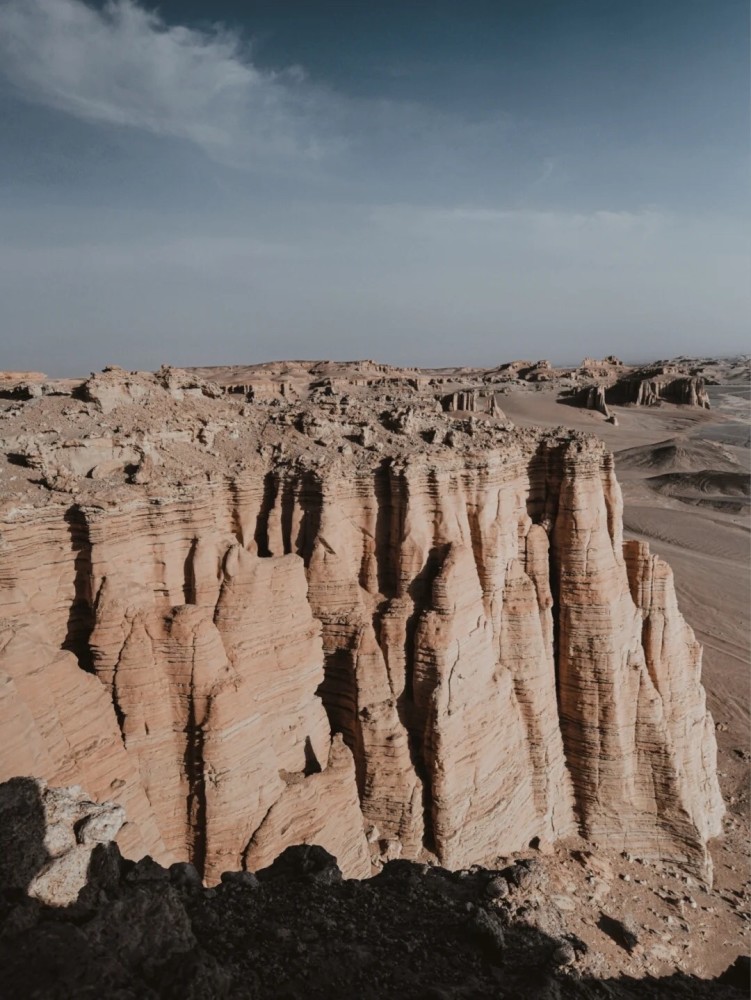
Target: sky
[424,182]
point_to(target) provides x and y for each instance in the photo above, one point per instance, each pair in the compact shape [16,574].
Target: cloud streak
[122,65]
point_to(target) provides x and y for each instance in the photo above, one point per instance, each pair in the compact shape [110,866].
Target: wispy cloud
[533,222]
[123,65]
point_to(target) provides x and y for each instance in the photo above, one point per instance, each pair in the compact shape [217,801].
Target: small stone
[623,932]
[497,888]
[565,903]
[564,954]
[147,870]
[184,875]
[101,827]
[244,880]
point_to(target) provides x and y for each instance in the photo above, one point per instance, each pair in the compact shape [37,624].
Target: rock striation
[352,620]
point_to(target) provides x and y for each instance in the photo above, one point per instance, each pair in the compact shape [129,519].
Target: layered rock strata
[651,391]
[451,596]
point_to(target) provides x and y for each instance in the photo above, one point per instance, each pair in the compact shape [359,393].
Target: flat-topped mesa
[450,594]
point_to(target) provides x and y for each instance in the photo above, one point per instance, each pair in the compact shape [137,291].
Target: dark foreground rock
[298,930]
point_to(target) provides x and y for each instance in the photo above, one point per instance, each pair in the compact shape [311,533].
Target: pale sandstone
[449,593]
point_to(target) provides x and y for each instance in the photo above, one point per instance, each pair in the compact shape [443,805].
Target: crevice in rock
[195,774]
[286,490]
[119,713]
[261,535]
[189,574]
[312,764]
[310,498]
[388,491]
[236,520]
[338,692]
[80,622]
[196,803]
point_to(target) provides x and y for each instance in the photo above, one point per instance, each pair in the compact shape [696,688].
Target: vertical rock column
[624,756]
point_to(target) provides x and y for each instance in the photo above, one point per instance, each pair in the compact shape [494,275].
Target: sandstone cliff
[183,635]
[651,389]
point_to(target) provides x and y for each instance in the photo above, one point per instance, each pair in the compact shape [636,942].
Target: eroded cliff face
[454,598]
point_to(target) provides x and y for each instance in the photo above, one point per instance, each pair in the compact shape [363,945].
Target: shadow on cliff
[572,397]
[23,853]
[293,930]
[81,611]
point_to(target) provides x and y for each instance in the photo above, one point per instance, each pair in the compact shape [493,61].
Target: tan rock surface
[448,592]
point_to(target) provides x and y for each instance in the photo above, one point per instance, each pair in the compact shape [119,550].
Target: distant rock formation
[686,390]
[452,596]
[594,399]
[635,389]
[472,401]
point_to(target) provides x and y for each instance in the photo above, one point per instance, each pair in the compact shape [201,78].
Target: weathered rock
[48,837]
[450,595]
[472,401]
[618,715]
[594,399]
[294,929]
[738,974]
[488,930]
[651,391]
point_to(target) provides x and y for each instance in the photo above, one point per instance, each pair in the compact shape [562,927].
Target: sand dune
[678,455]
[728,491]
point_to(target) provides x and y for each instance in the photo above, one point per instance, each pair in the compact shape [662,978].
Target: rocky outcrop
[452,597]
[114,387]
[472,401]
[618,641]
[594,399]
[76,919]
[216,699]
[686,390]
[632,389]
[50,839]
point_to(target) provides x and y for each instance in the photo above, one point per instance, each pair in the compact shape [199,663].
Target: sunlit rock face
[368,625]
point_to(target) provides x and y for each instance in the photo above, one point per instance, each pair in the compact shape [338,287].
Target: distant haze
[423,183]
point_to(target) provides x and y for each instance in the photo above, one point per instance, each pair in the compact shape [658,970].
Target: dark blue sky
[427,182]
